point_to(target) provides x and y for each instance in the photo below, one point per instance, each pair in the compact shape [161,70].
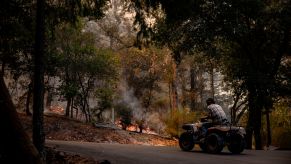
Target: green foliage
[75,53]
[284,78]
[68,11]
[175,119]
[16,41]
[16,36]
[161,104]
[143,70]
[105,98]
[251,38]
[69,50]
[104,64]
[83,69]
[69,90]
[281,125]
[18,27]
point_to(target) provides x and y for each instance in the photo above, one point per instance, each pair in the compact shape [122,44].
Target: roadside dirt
[58,127]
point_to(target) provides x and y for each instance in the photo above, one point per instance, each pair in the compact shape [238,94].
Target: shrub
[281,125]
[175,119]
[125,114]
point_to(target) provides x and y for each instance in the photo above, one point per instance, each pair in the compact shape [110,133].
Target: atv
[212,139]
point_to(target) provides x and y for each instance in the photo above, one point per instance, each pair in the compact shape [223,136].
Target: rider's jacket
[217,114]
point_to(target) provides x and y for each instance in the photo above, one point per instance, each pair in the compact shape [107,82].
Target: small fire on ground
[132,127]
[56,109]
[136,128]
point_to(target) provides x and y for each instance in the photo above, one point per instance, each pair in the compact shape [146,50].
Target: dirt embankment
[58,127]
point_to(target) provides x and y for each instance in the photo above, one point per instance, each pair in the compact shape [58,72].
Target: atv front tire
[186,141]
[214,143]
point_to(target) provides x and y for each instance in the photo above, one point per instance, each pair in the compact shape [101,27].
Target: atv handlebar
[204,119]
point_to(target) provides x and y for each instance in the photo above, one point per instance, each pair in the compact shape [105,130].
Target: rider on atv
[215,114]
[213,136]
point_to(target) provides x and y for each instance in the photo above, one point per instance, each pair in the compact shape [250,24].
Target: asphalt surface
[140,154]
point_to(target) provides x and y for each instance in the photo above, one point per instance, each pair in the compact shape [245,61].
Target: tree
[116,26]
[104,100]
[280,124]
[256,33]
[144,71]
[16,31]
[200,79]
[15,144]
[73,9]
[17,35]
[82,68]
[38,88]
[82,8]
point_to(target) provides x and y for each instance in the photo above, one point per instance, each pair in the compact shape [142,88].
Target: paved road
[138,154]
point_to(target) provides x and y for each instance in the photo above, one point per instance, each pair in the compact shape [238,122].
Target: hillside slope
[58,127]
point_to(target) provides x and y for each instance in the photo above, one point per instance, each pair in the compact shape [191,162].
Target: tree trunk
[16,146]
[87,109]
[84,110]
[249,130]
[257,128]
[250,124]
[38,96]
[49,98]
[29,93]
[72,109]
[269,138]
[233,110]
[193,89]
[212,82]
[258,119]
[170,96]
[255,118]
[68,107]
[175,99]
[241,113]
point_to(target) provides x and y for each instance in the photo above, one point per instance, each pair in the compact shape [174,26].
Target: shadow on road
[223,153]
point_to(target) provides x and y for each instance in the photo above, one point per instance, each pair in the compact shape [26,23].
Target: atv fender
[189,127]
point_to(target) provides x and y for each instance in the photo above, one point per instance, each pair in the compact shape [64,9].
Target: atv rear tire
[186,141]
[214,143]
[237,144]
[203,147]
